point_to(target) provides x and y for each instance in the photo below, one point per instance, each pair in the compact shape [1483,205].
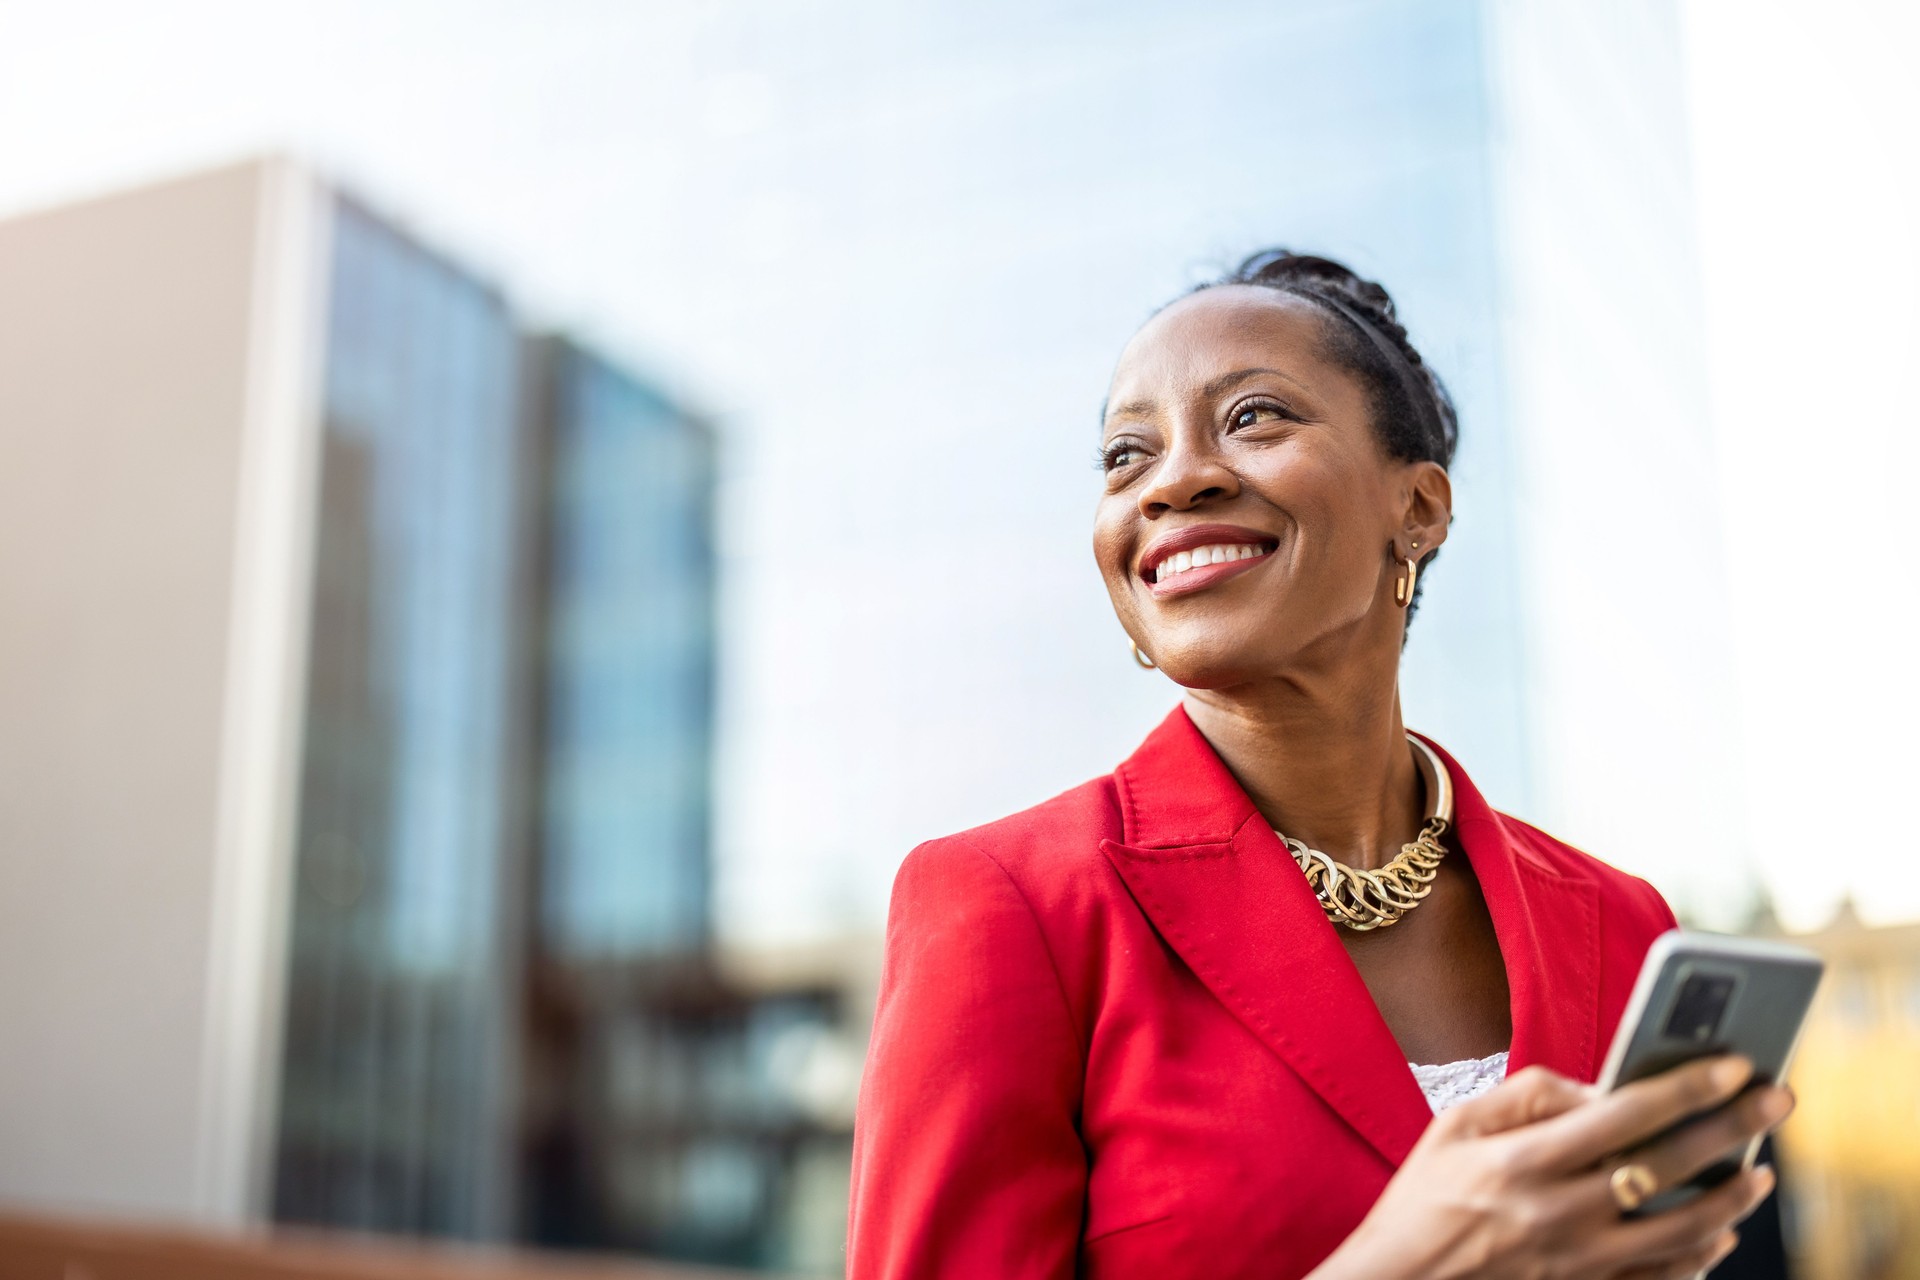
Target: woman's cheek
[1111,551]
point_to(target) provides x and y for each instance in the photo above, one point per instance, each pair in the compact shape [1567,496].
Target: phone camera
[1701,1005]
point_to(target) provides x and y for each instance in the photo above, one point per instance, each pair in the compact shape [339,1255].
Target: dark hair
[1412,411]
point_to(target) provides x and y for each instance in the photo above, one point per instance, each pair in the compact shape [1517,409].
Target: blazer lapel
[1228,898]
[1548,924]
[1224,893]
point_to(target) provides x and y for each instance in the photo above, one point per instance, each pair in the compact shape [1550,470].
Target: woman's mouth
[1191,568]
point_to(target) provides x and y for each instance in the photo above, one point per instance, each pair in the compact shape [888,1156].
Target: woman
[1160,1025]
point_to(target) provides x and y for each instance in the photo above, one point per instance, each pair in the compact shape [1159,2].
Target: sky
[1808,184]
[803,219]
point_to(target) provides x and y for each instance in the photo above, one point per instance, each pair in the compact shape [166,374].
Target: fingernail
[1767,1178]
[1775,1105]
[1730,1074]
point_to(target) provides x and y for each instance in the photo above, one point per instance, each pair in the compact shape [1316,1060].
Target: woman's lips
[1192,558]
[1163,584]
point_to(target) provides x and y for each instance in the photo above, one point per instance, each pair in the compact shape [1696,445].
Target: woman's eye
[1254,414]
[1119,454]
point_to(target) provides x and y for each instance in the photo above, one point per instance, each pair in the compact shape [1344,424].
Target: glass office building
[626,667]
[396,1093]
[501,867]
[994,216]
[661,1117]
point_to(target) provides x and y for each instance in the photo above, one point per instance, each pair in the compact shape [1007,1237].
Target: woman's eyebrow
[1227,381]
[1213,390]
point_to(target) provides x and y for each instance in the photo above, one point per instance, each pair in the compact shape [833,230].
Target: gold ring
[1630,1185]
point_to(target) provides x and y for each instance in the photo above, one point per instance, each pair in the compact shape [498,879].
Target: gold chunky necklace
[1363,900]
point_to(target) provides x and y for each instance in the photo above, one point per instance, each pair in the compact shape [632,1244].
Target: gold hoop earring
[1140,657]
[1403,587]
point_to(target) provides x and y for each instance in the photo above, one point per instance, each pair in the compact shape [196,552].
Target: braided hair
[1412,411]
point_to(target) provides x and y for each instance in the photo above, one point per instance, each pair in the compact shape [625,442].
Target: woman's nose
[1186,477]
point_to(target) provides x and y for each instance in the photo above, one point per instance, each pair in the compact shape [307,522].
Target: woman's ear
[1429,509]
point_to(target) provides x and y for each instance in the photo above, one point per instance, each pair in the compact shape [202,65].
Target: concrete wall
[138,637]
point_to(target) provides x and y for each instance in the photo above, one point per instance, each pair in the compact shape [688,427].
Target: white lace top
[1448,1083]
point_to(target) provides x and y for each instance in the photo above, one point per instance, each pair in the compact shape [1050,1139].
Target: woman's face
[1230,433]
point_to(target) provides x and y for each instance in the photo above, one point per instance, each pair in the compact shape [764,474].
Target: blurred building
[396,1092]
[994,216]
[160,442]
[1854,1137]
[624,636]
[673,1108]
[358,653]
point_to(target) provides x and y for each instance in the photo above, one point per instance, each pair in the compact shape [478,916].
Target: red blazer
[1116,1036]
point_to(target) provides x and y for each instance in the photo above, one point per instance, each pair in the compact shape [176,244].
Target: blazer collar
[1222,890]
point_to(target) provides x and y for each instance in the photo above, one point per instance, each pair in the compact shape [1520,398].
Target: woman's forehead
[1193,340]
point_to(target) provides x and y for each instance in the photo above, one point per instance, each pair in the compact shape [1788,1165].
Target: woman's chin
[1207,666]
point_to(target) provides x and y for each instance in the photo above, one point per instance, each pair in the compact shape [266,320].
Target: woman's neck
[1326,764]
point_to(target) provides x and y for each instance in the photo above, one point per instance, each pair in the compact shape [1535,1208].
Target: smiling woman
[1355,408]
[1282,995]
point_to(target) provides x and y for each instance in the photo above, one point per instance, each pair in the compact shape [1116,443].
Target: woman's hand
[1513,1183]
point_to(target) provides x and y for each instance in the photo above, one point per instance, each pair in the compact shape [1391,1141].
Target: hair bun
[1283,266]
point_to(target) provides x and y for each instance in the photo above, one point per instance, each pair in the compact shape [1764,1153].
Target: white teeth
[1200,557]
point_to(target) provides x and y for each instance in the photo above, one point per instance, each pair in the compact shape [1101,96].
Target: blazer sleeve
[967,1157]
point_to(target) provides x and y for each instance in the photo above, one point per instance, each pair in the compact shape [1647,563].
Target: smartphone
[1708,993]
